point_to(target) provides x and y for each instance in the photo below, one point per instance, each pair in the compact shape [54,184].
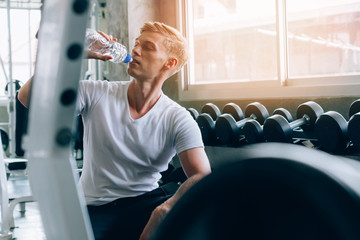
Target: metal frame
[4,198]
[52,171]
[11,103]
[8,205]
[30,4]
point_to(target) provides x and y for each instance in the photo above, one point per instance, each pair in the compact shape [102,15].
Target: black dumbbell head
[226,129]
[283,112]
[310,109]
[207,128]
[212,110]
[354,108]
[193,112]
[258,110]
[253,132]
[331,131]
[277,129]
[234,110]
[354,130]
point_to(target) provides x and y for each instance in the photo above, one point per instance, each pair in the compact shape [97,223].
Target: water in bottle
[98,43]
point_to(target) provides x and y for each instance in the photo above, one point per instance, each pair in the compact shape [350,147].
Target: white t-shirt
[123,157]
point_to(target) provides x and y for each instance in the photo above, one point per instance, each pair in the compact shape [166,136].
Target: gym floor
[28,225]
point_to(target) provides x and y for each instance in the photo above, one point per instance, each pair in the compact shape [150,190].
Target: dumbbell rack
[307,137]
[51,169]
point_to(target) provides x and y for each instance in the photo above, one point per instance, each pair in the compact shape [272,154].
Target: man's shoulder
[175,109]
[171,104]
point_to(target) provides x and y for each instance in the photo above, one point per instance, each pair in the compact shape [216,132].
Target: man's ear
[171,63]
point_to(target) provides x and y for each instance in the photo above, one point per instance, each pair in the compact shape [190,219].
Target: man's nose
[136,50]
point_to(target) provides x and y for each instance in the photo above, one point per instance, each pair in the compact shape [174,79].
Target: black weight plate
[212,110]
[226,129]
[4,139]
[331,131]
[277,129]
[283,112]
[257,111]
[354,130]
[278,191]
[310,109]
[193,112]
[253,132]
[207,128]
[234,110]
[354,108]
[17,166]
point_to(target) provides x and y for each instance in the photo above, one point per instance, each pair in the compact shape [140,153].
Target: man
[131,132]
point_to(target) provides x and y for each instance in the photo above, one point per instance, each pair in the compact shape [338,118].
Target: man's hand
[95,55]
[156,218]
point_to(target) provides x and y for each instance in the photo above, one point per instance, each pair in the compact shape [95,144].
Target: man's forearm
[183,188]
[161,211]
[25,93]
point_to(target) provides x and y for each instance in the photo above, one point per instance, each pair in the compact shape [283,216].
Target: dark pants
[125,218]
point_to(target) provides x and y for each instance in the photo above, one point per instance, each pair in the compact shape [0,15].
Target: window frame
[283,87]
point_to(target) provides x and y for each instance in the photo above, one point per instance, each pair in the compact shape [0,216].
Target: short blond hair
[175,42]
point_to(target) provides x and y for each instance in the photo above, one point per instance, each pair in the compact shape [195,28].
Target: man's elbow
[23,98]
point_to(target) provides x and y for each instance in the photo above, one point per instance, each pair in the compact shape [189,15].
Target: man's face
[149,56]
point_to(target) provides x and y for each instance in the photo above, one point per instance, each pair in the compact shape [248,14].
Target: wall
[114,21]
[123,20]
[140,11]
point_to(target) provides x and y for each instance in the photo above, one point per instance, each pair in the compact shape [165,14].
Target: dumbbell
[331,131]
[209,114]
[228,130]
[206,123]
[354,108]
[234,110]
[354,130]
[193,112]
[253,130]
[278,129]
[354,123]
[212,110]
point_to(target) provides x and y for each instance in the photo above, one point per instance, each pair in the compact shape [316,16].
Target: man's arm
[24,93]
[196,165]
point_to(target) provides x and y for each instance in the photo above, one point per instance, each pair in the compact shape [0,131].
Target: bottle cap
[127,59]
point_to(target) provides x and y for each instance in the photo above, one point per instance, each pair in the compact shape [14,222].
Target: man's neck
[142,96]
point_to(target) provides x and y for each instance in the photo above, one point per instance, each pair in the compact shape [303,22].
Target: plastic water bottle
[98,43]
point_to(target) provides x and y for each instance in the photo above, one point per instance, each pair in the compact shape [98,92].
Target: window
[323,37]
[23,44]
[229,40]
[271,49]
